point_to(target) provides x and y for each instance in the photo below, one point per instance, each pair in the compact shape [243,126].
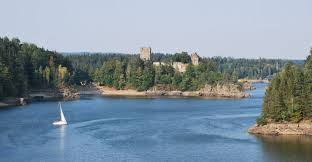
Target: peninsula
[287,106]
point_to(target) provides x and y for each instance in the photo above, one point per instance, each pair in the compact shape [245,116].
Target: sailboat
[63,120]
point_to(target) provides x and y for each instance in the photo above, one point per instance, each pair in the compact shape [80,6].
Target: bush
[261,121]
[296,117]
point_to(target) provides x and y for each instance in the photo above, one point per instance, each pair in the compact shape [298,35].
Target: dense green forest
[251,68]
[128,71]
[25,66]
[289,95]
[242,68]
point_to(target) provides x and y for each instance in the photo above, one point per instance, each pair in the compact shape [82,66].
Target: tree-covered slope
[129,71]
[289,95]
[25,66]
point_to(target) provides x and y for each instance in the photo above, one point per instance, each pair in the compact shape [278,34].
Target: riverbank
[223,91]
[47,95]
[107,91]
[301,128]
[218,91]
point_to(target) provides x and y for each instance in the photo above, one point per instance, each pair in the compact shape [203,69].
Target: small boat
[63,120]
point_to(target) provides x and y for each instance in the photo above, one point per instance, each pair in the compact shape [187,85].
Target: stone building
[179,66]
[195,58]
[145,53]
[157,63]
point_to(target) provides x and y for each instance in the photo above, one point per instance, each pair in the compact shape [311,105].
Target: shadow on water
[286,148]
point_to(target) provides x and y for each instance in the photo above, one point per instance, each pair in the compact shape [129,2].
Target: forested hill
[24,67]
[260,68]
[289,96]
[252,68]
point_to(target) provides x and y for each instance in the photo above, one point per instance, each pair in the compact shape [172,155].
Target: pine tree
[308,86]
[297,108]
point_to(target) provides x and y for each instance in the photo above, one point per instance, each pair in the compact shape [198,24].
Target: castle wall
[179,66]
[146,53]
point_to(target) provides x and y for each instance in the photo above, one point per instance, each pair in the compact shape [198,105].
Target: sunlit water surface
[132,129]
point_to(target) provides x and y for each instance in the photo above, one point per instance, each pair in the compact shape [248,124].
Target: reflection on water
[62,132]
[286,148]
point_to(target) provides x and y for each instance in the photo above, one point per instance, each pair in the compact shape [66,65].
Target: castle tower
[195,58]
[145,53]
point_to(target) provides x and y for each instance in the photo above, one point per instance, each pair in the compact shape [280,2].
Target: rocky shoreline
[41,95]
[301,128]
[223,91]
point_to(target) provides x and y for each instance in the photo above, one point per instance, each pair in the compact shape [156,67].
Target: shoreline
[43,95]
[302,128]
[209,92]
[12,101]
[107,91]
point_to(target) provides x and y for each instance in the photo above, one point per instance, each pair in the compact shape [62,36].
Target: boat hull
[60,123]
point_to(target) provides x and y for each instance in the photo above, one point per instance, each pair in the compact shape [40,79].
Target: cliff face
[301,128]
[226,90]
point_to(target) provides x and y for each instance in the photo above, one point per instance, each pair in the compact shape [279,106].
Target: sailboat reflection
[62,134]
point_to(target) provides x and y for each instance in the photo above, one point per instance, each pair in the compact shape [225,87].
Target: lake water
[132,129]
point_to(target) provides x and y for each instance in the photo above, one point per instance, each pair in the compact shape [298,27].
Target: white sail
[62,114]
[63,120]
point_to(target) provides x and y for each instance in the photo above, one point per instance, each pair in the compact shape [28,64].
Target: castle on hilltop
[146,55]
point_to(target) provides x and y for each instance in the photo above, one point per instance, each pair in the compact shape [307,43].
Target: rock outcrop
[301,128]
[248,86]
[70,94]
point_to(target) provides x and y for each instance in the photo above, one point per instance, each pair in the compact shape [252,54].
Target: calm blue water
[129,129]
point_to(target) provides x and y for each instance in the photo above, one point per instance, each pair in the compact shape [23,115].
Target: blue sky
[240,28]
